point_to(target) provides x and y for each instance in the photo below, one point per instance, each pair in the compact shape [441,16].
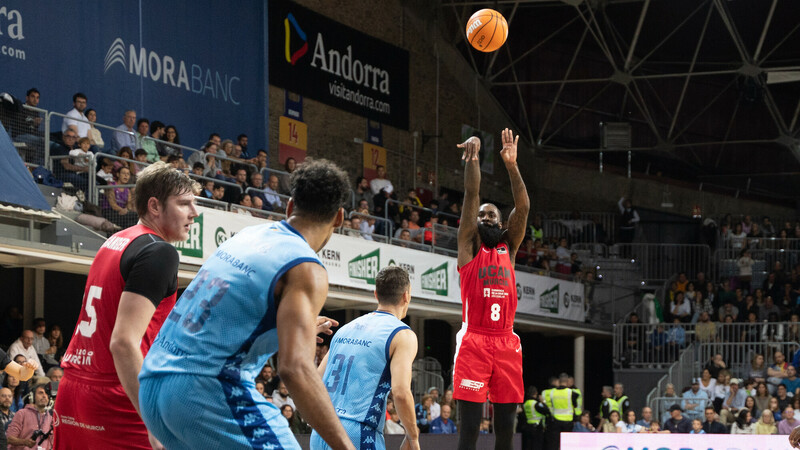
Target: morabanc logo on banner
[435,280]
[548,300]
[365,267]
[193,246]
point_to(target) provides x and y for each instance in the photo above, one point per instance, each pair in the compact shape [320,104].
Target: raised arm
[403,351]
[302,292]
[518,218]
[468,227]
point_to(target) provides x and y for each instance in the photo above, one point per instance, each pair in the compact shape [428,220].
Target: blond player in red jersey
[488,358]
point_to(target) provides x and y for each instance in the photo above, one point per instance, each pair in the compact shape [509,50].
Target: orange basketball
[487,30]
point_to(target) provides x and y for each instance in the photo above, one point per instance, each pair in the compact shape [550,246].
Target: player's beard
[490,234]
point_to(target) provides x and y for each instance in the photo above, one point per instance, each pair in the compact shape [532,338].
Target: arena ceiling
[710,88]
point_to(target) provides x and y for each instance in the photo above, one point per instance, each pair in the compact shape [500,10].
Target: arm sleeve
[149,267]
[619,205]
[635,217]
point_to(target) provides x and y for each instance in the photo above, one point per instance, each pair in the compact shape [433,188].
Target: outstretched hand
[27,369]
[472,147]
[509,151]
[324,325]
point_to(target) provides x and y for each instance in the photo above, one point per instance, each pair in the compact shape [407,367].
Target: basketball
[487,30]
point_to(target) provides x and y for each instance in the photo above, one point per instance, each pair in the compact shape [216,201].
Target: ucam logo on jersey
[435,280]
[173,72]
[193,246]
[365,267]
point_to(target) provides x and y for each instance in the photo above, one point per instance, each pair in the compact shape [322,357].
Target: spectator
[584,424]
[173,142]
[775,408]
[745,264]
[715,365]
[271,194]
[404,237]
[633,337]
[777,372]
[783,397]
[143,141]
[563,255]
[246,201]
[24,346]
[733,403]
[436,408]
[768,308]
[423,409]
[30,419]
[682,282]
[241,178]
[771,287]
[380,182]
[697,427]
[218,192]
[363,192]
[411,203]
[695,401]
[284,184]
[767,229]
[742,424]
[647,417]
[721,389]
[711,426]
[6,415]
[260,160]
[705,330]
[118,205]
[658,342]
[125,135]
[367,227]
[611,425]
[19,389]
[629,425]
[786,425]
[738,238]
[295,425]
[677,423]
[94,135]
[355,227]
[257,203]
[281,396]
[27,128]
[443,424]
[680,307]
[762,396]
[485,426]
[39,340]
[766,424]
[630,219]
[447,399]
[708,383]
[55,374]
[676,338]
[268,377]
[76,119]
[106,173]
[791,381]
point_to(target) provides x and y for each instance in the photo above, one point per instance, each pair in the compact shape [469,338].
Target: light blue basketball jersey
[357,375]
[224,324]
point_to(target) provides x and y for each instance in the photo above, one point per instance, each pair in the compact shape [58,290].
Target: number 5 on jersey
[88,328]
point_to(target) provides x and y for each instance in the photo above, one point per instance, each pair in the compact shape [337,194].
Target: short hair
[77,96]
[140,151]
[160,180]
[218,186]
[53,369]
[84,139]
[379,166]
[213,135]
[38,320]
[390,285]
[209,143]
[105,162]
[358,180]
[261,150]
[319,189]
[156,125]
[173,158]
[710,407]
[141,121]
[199,165]
[239,137]
[31,91]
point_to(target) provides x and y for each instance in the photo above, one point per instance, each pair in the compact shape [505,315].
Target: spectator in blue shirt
[791,381]
[694,401]
[676,338]
[423,409]
[443,424]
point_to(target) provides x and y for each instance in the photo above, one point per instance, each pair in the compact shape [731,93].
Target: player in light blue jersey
[259,293]
[369,357]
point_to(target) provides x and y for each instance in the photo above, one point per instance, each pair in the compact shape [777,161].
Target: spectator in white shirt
[380,181]
[24,346]
[81,125]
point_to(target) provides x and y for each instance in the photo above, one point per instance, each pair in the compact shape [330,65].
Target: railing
[658,262]
[282,199]
[582,227]
[27,132]
[106,147]
[679,374]
[738,356]
[774,243]
[80,180]
[373,236]
[211,203]
[451,218]
[246,210]
[590,250]
[228,185]
[426,373]
[726,266]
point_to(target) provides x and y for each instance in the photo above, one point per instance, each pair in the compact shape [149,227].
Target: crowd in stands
[749,233]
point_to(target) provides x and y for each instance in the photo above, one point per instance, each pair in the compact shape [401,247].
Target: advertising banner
[329,62]
[374,156]
[200,65]
[627,441]
[354,262]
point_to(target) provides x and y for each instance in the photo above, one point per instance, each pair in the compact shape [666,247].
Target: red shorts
[488,363]
[95,414]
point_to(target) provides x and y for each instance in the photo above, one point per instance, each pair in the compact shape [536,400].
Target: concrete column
[417,325]
[32,295]
[578,355]
[349,316]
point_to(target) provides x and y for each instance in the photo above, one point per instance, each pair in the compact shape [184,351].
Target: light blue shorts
[194,412]
[364,437]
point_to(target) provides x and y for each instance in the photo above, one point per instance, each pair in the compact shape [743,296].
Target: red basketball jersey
[489,289]
[88,350]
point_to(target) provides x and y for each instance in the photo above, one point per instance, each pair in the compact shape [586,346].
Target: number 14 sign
[293,139]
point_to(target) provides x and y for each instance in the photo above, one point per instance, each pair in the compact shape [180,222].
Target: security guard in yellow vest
[579,408]
[562,404]
[607,405]
[536,414]
[536,228]
[621,399]
[547,392]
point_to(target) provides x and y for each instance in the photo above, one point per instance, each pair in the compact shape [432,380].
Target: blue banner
[198,65]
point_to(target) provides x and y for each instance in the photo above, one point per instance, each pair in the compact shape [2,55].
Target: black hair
[156,125]
[172,158]
[141,121]
[31,91]
[239,137]
[319,189]
[140,151]
[390,285]
[358,180]
[200,165]
[213,135]
[261,150]
[77,96]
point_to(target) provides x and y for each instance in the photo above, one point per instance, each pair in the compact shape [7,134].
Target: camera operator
[32,426]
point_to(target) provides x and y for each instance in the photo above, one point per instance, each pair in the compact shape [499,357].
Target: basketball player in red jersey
[488,356]
[130,290]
